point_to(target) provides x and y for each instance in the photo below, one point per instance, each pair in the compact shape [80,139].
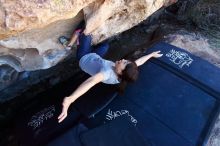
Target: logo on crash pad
[179,58]
[40,117]
[111,115]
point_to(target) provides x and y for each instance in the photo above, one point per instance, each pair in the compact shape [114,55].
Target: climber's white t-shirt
[92,63]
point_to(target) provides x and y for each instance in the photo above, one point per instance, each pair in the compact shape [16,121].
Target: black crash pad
[195,70]
[69,138]
[96,99]
[170,104]
[37,124]
[37,127]
[119,132]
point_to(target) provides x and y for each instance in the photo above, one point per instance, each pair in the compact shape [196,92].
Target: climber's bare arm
[83,88]
[143,59]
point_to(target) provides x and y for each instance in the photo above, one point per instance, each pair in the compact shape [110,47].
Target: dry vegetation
[206,15]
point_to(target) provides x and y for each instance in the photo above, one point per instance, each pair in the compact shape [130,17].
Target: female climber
[90,61]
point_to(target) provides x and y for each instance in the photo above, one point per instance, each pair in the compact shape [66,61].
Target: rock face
[19,15]
[37,48]
[29,29]
[107,18]
[7,76]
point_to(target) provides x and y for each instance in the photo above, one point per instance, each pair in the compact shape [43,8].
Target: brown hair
[129,74]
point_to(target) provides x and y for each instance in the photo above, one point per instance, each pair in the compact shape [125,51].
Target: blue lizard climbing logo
[179,58]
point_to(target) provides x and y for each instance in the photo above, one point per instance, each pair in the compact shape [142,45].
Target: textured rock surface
[29,28]
[110,17]
[28,38]
[37,48]
[7,76]
[206,17]
[214,139]
[19,15]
